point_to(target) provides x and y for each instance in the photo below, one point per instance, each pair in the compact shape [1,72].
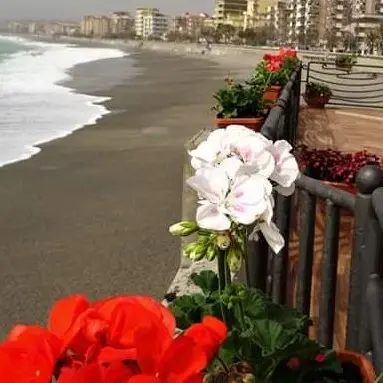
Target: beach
[90,213]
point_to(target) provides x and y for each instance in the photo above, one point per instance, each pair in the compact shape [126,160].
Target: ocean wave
[34,105]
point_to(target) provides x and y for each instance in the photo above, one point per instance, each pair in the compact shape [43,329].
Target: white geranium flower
[222,144]
[272,235]
[286,167]
[241,201]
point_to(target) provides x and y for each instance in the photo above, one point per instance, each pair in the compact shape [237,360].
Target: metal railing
[361,86]
[269,271]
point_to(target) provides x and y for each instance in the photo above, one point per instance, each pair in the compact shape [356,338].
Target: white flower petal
[210,183]
[231,166]
[248,199]
[209,217]
[285,191]
[272,236]
[286,171]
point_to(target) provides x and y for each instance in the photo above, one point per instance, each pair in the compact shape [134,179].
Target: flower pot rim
[366,368]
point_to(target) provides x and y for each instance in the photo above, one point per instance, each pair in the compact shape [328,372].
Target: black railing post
[257,262]
[306,251]
[366,248]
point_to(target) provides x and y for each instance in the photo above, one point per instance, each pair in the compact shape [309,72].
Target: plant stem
[221,270]
[227,272]
[222,283]
[246,259]
[223,364]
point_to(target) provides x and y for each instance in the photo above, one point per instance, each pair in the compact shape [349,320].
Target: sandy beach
[90,213]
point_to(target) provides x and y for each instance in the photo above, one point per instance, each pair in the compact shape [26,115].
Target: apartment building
[121,23]
[231,12]
[277,19]
[151,23]
[189,24]
[96,26]
[307,21]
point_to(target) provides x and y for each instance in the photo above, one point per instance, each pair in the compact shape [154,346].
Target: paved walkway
[348,130]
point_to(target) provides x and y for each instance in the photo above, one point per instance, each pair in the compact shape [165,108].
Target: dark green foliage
[346,60]
[262,334]
[238,101]
[315,89]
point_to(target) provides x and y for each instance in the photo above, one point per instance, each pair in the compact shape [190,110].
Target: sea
[35,105]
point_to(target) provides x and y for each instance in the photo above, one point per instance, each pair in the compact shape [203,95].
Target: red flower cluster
[126,339]
[275,61]
[333,165]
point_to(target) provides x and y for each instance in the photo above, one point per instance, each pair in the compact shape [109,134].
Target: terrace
[332,268]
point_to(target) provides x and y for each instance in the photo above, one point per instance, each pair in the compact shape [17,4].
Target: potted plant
[266,342]
[241,104]
[335,167]
[317,95]
[345,61]
[274,71]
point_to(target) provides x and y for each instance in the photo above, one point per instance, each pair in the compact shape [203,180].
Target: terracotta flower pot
[272,93]
[366,368]
[317,102]
[251,123]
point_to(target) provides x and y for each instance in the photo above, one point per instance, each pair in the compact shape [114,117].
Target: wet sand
[90,213]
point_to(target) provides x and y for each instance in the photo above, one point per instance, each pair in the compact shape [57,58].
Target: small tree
[372,41]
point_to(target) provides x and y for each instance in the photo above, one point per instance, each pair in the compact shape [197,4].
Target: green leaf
[206,280]
[270,336]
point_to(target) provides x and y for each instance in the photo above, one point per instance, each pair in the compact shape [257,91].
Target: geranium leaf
[206,280]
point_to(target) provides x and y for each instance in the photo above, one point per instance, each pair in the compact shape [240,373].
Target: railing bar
[340,198]
[356,65]
[280,267]
[329,275]
[306,251]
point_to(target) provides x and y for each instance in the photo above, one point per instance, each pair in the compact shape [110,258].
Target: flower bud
[200,249]
[248,378]
[184,228]
[187,250]
[211,252]
[223,241]
[234,258]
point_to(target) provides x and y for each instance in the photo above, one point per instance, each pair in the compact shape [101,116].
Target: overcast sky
[74,9]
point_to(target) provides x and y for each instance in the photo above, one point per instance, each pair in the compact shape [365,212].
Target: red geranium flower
[29,355]
[117,340]
[320,358]
[287,52]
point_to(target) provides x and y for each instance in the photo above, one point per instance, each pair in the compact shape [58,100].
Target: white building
[150,23]
[277,18]
[155,26]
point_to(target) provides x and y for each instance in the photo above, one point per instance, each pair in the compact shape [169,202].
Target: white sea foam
[34,107]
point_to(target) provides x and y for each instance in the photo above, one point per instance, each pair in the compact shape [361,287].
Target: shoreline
[90,213]
[61,85]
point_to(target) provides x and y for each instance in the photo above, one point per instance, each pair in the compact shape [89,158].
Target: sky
[74,9]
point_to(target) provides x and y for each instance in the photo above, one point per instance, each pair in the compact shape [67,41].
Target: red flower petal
[29,358]
[90,373]
[209,335]
[64,313]
[143,379]
[182,361]
[110,354]
[106,308]
[217,326]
